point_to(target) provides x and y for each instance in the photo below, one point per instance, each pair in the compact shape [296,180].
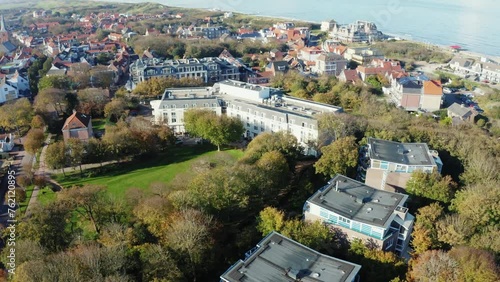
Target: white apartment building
[261,109]
[170,109]
[363,212]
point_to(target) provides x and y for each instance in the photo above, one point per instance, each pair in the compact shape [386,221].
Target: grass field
[140,174]
[99,123]
[24,205]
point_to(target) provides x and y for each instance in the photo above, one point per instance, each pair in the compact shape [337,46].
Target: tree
[340,157]
[431,186]
[189,233]
[47,226]
[50,99]
[283,142]
[90,202]
[34,141]
[424,232]
[479,203]
[92,101]
[218,129]
[435,266]
[96,151]
[55,156]
[116,109]
[17,114]
[158,263]
[54,81]
[75,152]
[37,122]
[476,265]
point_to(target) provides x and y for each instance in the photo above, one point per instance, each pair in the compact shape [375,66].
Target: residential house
[362,55]
[465,66]
[78,126]
[360,31]
[329,64]
[379,67]
[212,32]
[416,93]
[327,26]
[349,76]
[278,67]
[362,212]
[278,258]
[7,91]
[490,72]
[309,53]
[432,96]
[460,113]
[388,165]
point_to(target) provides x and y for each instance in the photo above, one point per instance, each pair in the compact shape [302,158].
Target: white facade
[7,93]
[259,109]
[242,90]
[170,110]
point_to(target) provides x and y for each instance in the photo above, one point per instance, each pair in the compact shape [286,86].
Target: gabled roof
[351,75]
[460,110]
[433,87]
[76,120]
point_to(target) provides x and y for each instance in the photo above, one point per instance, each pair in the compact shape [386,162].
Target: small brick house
[79,126]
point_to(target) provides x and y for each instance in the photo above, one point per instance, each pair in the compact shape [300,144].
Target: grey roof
[7,47]
[357,201]
[197,102]
[280,259]
[400,153]
[459,110]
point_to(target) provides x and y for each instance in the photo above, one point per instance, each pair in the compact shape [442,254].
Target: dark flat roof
[401,153]
[280,259]
[357,201]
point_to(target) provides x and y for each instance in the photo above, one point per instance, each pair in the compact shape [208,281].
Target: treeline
[156,86]
[325,89]
[174,48]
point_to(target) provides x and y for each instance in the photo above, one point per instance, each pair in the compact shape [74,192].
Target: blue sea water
[472,24]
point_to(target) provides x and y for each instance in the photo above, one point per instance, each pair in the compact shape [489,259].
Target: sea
[472,24]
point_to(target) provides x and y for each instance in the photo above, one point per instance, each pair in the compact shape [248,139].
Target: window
[193,105]
[174,120]
[344,220]
[389,243]
[173,114]
[174,106]
[303,124]
[384,165]
[214,105]
[186,106]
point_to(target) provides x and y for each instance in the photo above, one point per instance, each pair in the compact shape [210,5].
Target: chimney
[74,111]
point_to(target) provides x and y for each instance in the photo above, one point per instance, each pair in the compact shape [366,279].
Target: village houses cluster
[372,207]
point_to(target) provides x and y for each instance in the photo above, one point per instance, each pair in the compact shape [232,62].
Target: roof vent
[315,274]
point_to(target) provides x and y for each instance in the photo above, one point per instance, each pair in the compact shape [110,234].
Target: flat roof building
[362,212]
[260,108]
[279,259]
[388,165]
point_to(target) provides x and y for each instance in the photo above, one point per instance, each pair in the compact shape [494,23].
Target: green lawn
[100,123]
[24,205]
[46,195]
[140,174]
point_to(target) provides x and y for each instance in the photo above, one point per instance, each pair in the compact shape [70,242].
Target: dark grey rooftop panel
[280,259]
[401,153]
[357,201]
